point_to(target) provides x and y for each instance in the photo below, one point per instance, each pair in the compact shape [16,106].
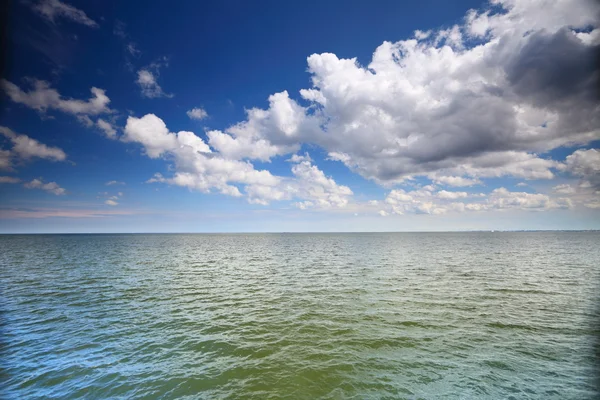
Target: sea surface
[300,316]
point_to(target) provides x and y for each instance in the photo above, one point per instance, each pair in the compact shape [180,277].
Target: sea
[473,315]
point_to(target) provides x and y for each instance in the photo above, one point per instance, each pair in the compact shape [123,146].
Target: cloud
[147,80]
[61,213]
[42,98]
[132,48]
[585,164]
[25,148]
[197,167]
[107,128]
[153,134]
[480,99]
[243,147]
[564,189]
[266,133]
[502,198]
[50,187]
[111,200]
[297,158]
[52,9]
[456,181]
[426,200]
[5,160]
[197,113]
[9,179]
[443,194]
[111,183]
[309,184]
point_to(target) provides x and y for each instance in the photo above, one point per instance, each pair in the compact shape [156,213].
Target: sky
[273,116]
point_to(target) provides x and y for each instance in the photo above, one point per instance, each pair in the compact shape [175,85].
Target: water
[300,316]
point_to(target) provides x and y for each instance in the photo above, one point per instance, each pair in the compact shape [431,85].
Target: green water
[300,316]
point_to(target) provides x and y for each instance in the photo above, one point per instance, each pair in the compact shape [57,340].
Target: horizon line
[297,232]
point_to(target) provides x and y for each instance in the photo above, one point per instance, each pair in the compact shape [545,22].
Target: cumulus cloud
[267,133]
[585,164]
[53,9]
[309,184]
[426,200]
[111,183]
[457,181]
[502,198]
[443,194]
[50,187]
[564,189]
[480,99]
[296,158]
[197,113]
[197,167]
[111,202]
[42,97]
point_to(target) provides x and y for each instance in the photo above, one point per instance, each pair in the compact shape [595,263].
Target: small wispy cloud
[53,9]
[50,187]
[111,183]
[9,179]
[111,200]
[147,80]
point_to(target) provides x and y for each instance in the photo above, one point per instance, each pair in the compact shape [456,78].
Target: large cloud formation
[197,167]
[485,98]
[480,99]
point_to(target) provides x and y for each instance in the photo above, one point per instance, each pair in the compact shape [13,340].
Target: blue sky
[300,116]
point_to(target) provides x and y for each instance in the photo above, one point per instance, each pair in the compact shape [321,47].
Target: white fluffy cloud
[199,168]
[428,201]
[457,181]
[478,100]
[309,184]
[196,166]
[197,113]
[50,187]
[52,9]
[42,97]
[267,133]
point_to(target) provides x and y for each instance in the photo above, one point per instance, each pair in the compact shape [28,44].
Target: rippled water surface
[300,316]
